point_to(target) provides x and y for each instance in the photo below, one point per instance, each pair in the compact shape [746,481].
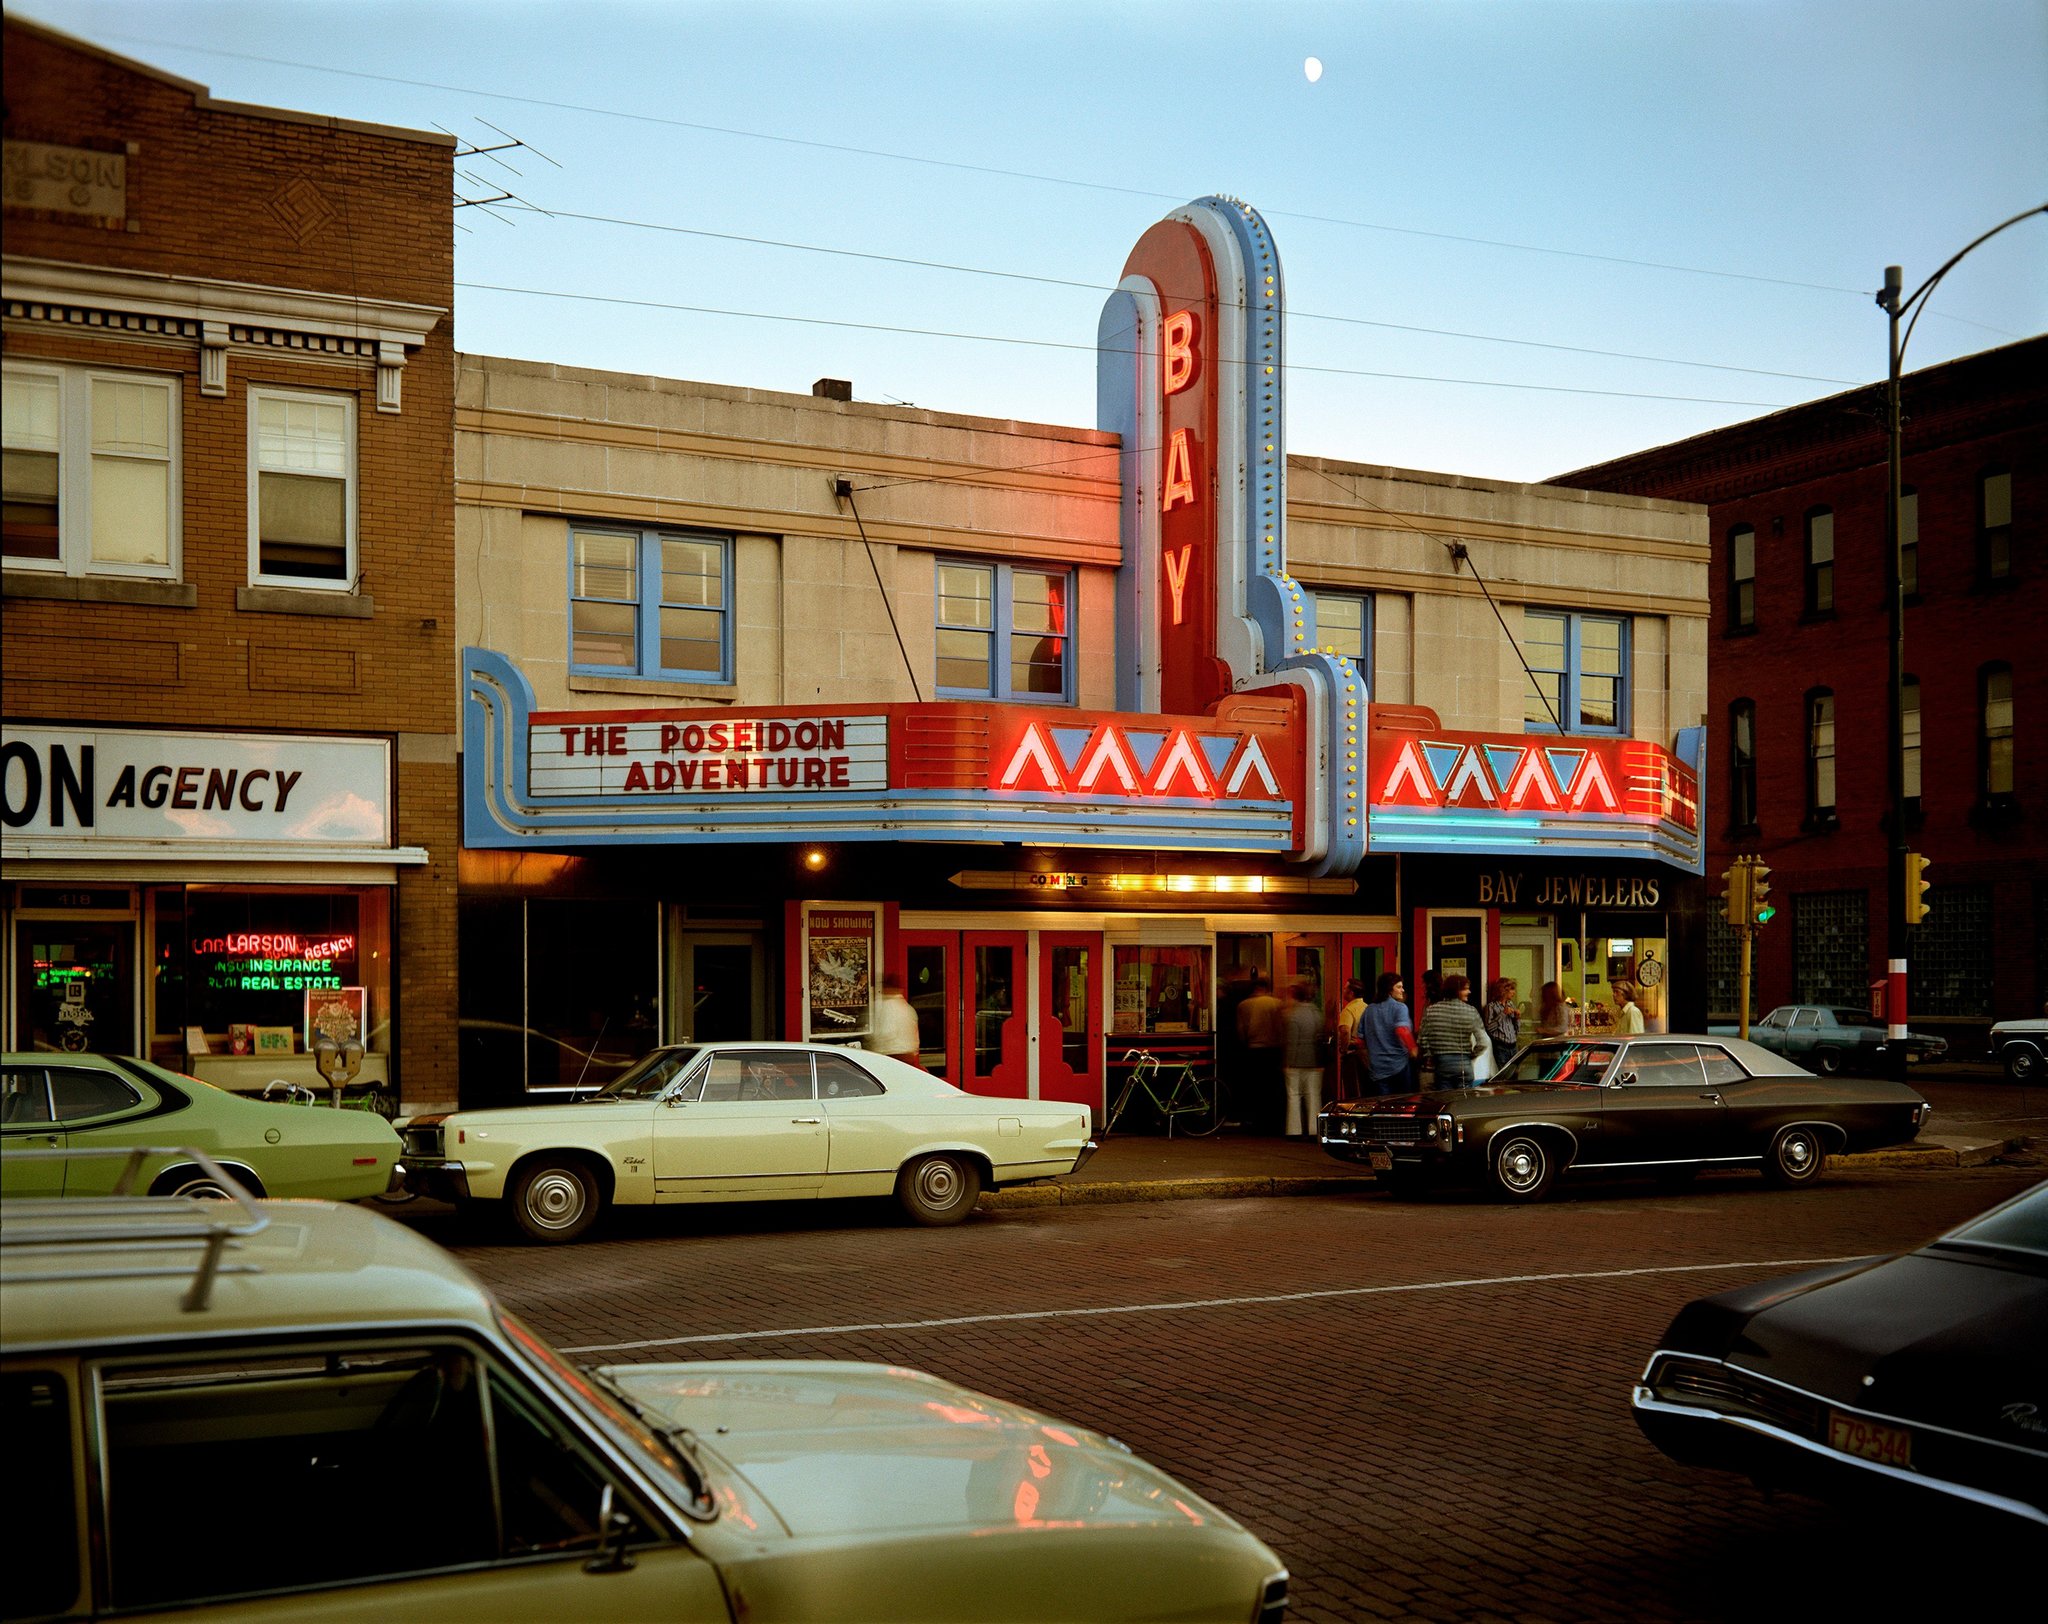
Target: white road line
[1205,1302]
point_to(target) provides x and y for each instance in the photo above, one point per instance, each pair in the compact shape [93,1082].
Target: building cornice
[218,316]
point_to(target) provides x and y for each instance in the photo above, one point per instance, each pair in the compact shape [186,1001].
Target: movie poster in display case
[840,973]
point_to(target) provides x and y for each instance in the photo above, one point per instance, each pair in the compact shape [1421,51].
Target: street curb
[1209,1189]
[1976,1154]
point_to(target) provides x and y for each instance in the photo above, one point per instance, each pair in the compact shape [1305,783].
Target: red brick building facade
[230,775]
[1799,665]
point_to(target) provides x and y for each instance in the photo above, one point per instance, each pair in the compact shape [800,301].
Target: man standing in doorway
[895,1025]
[1302,1023]
[1259,1029]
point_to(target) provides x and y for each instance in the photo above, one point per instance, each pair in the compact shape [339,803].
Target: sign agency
[77,785]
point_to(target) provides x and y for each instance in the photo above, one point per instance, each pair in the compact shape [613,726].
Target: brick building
[1799,665]
[230,756]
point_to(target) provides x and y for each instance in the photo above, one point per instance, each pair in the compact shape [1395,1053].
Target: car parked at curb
[2021,1047]
[744,1121]
[1917,1383]
[1828,1038]
[430,1458]
[1670,1104]
[112,1102]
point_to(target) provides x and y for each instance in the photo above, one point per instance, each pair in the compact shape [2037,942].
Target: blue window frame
[1580,668]
[650,603]
[1005,631]
[1344,626]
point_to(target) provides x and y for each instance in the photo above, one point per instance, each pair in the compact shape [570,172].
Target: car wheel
[553,1200]
[200,1185]
[938,1190]
[1524,1168]
[1827,1062]
[1795,1157]
[2023,1063]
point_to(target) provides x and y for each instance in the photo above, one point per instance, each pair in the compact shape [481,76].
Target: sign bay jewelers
[78,786]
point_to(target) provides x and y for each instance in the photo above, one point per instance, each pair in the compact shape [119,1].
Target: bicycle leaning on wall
[1176,1092]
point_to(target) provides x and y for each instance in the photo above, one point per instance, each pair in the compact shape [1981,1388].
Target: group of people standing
[1283,1050]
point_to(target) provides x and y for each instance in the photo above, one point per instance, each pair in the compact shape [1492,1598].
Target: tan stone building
[230,764]
[667,588]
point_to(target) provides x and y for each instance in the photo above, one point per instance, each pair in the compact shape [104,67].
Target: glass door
[1070,1017]
[931,963]
[715,987]
[997,1054]
[75,986]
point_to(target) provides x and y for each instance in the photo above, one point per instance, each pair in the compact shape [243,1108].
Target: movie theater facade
[766,697]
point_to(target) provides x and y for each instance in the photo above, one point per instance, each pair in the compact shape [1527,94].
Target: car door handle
[809,1122]
[1716,1098]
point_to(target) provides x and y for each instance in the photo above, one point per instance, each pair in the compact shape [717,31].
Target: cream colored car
[744,1122]
[341,1425]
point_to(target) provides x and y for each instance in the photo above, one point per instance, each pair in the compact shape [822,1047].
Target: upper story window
[1995,731]
[92,482]
[650,603]
[1579,667]
[1742,578]
[1909,733]
[302,489]
[1994,525]
[1344,625]
[1820,758]
[1909,542]
[1742,764]
[1005,631]
[1820,562]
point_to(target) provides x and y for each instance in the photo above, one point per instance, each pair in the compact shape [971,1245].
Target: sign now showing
[78,785]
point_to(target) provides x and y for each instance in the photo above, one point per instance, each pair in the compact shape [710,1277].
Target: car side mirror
[612,1527]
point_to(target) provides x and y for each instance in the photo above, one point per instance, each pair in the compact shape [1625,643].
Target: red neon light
[1177,577]
[1180,473]
[1180,362]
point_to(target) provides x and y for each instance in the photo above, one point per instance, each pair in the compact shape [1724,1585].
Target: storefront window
[268,969]
[1162,990]
[592,979]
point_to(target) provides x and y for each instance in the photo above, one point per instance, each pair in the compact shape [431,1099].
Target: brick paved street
[1418,1434]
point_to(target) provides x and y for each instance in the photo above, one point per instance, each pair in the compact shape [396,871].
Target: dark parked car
[1668,1103]
[1919,1380]
[1827,1038]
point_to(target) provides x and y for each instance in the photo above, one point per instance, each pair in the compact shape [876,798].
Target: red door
[1070,1017]
[1367,958]
[931,964]
[994,1047]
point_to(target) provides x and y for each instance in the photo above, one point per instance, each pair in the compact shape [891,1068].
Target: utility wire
[1100,287]
[1092,349]
[844,487]
[976,169]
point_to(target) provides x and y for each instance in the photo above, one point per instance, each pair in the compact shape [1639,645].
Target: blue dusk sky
[1519,236]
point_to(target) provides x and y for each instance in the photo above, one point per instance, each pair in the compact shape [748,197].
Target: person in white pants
[1302,1023]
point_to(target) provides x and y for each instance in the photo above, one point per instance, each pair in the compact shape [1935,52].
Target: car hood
[830,1450]
[1948,1339]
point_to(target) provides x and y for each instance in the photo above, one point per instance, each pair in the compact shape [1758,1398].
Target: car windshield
[2018,1226]
[1559,1062]
[650,1077]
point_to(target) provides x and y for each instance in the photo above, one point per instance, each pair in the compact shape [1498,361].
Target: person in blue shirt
[1386,1034]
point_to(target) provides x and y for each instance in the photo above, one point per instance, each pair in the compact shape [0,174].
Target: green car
[112,1102]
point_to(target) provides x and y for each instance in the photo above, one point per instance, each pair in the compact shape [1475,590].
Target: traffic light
[1736,878]
[1916,888]
[1760,909]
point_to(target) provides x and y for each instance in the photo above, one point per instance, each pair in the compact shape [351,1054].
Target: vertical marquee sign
[1189,375]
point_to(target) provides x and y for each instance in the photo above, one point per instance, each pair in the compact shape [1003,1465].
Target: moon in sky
[1313,67]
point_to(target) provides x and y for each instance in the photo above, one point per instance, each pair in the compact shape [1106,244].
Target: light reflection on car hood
[834,1449]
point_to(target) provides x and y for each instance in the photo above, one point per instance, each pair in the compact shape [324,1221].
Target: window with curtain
[1742,764]
[1995,734]
[1909,733]
[650,603]
[1820,562]
[1820,757]
[1344,626]
[1909,542]
[1994,525]
[1742,578]
[302,500]
[1578,668]
[91,471]
[1004,631]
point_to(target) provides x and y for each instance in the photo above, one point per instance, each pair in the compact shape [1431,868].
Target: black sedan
[1919,1380]
[1665,1103]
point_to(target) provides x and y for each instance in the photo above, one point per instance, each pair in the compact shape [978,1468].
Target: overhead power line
[964,167]
[1063,344]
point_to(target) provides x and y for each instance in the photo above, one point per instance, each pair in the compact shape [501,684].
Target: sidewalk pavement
[1151,1167]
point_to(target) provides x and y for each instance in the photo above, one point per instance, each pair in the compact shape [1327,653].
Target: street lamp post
[1895,598]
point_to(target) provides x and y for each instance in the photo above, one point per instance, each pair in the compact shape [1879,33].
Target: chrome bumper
[1081,1160]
